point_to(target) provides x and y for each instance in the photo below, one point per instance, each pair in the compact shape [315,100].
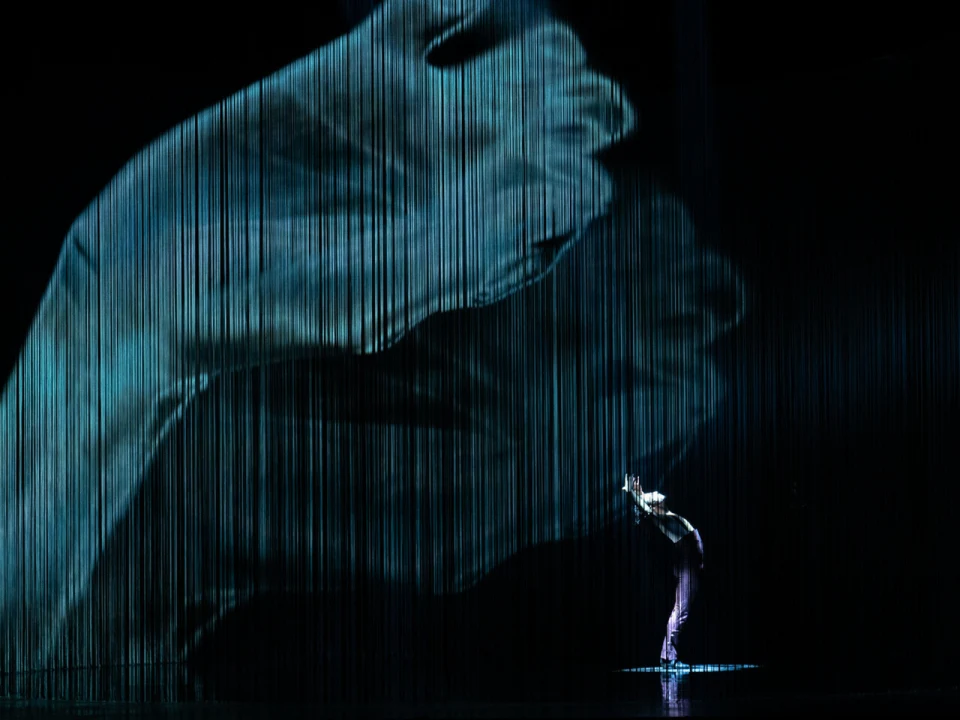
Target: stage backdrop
[333,386]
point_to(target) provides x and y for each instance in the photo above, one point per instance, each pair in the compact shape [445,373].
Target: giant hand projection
[435,162]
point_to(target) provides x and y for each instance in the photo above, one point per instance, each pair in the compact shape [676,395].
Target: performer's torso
[673,526]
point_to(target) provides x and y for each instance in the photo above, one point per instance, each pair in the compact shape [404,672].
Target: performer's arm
[641,509]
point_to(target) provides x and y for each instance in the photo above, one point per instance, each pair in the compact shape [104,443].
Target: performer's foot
[673,665]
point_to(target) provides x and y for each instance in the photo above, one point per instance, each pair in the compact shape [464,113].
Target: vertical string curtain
[355,338]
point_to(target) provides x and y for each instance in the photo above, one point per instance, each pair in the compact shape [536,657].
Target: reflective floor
[691,669]
[745,691]
[925,703]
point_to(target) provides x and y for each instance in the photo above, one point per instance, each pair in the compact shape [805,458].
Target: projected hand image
[432,466]
[440,156]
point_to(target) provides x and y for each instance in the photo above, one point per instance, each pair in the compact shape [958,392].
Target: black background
[821,157]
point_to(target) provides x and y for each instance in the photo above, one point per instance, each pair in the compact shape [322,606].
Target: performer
[687,564]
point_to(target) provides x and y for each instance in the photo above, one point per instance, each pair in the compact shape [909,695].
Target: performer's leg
[687,581]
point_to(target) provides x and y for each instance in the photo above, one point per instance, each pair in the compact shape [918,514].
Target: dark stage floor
[755,692]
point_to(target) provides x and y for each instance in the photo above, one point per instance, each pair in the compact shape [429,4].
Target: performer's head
[656,501]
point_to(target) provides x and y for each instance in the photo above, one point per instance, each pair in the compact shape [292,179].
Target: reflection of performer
[687,564]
